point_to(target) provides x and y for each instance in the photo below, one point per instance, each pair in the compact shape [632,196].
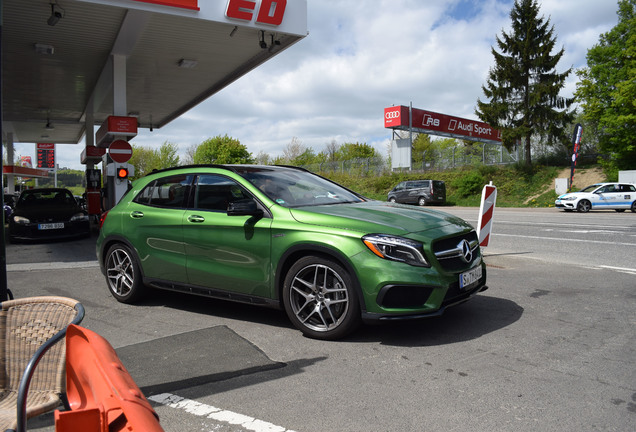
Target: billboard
[422,121]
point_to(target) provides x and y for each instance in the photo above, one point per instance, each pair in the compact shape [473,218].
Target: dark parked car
[48,213]
[420,192]
[290,239]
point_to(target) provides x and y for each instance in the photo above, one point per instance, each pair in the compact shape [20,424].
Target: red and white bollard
[486,209]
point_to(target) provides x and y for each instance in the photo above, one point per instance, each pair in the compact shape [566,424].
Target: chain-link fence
[457,156]
[433,160]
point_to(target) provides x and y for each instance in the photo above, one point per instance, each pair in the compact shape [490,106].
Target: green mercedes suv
[287,238]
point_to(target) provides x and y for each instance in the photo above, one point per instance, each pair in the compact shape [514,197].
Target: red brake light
[102,218]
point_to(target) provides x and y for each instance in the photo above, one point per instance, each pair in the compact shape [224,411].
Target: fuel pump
[93,193]
[116,184]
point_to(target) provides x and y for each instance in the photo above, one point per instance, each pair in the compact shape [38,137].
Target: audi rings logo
[467,254]
[392,115]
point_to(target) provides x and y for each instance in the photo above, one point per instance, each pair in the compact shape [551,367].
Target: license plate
[48,226]
[470,277]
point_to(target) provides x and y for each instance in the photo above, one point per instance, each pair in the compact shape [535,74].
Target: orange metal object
[101,393]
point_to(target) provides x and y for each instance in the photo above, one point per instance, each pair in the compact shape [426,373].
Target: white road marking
[620,269]
[218,414]
[495,235]
[51,265]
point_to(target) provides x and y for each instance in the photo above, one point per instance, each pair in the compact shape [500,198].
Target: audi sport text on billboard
[397,117]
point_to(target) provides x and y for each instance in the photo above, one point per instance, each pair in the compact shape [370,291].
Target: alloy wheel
[120,272]
[319,298]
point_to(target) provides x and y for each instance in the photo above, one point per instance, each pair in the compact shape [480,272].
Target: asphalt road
[550,346]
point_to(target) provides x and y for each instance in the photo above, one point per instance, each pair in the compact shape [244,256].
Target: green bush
[469,184]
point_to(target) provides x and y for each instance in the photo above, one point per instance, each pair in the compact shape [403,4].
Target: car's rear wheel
[584,206]
[421,201]
[319,298]
[123,275]
[634,207]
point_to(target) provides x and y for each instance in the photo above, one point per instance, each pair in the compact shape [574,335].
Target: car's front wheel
[584,206]
[123,275]
[392,199]
[319,298]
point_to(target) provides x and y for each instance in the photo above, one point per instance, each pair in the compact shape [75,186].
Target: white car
[616,196]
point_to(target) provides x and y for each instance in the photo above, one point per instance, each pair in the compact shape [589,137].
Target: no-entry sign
[120,151]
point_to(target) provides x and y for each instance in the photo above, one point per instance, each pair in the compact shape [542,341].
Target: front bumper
[453,298]
[565,205]
[31,232]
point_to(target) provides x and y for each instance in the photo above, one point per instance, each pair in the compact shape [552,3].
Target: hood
[52,213]
[572,194]
[377,217]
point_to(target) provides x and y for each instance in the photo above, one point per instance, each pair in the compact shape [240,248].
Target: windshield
[43,197]
[296,188]
[589,188]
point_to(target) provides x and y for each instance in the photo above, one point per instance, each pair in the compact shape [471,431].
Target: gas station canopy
[68,64]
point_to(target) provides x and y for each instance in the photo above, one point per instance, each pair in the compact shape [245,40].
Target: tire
[634,207]
[123,275]
[583,206]
[320,299]
[421,201]
[392,200]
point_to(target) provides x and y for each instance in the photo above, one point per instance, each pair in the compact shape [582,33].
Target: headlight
[78,217]
[396,249]
[21,220]
[568,198]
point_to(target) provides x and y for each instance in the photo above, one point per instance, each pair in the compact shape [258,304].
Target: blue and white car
[599,196]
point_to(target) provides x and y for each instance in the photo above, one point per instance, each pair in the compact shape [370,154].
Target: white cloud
[363,56]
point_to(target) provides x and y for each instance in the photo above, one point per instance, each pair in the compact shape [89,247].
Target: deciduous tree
[222,150]
[607,90]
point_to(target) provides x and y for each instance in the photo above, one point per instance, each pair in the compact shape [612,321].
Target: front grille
[449,253]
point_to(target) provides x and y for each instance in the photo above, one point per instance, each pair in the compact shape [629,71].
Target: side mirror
[244,207]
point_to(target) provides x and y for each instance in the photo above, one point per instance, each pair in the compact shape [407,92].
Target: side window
[215,192]
[169,192]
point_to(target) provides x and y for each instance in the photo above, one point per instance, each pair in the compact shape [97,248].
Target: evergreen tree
[523,87]
[607,90]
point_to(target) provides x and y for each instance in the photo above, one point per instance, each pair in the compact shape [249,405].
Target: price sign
[45,155]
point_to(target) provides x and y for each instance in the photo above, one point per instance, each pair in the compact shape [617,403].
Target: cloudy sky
[361,57]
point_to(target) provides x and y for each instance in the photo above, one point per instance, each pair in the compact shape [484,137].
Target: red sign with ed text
[269,12]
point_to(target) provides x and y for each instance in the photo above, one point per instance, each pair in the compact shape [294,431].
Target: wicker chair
[29,330]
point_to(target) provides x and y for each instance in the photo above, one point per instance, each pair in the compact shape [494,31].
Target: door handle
[196,219]
[136,214]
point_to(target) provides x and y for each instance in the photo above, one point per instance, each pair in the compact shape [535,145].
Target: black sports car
[48,213]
